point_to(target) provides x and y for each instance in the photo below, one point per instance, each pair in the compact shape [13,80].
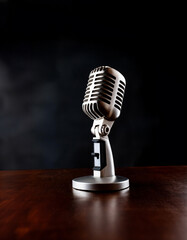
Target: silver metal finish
[102,125]
[109,170]
[102,103]
[104,93]
[90,183]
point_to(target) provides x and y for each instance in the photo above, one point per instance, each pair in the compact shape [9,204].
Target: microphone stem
[103,158]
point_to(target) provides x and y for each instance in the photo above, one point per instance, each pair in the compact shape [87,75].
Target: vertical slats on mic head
[100,88]
[98,69]
[121,90]
[94,112]
[115,105]
[105,76]
[120,94]
[104,79]
[103,84]
[122,87]
[89,111]
[118,102]
[91,76]
[110,75]
[103,90]
[84,107]
[119,99]
[101,93]
[122,82]
[97,110]
[86,110]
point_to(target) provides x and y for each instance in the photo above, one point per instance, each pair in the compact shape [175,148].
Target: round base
[90,183]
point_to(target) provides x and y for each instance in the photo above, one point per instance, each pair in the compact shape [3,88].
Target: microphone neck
[101,128]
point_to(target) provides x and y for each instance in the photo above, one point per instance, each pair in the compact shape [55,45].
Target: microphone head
[104,93]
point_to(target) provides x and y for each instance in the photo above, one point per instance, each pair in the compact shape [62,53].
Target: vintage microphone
[102,103]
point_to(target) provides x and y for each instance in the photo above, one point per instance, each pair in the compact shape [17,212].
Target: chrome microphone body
[102,103]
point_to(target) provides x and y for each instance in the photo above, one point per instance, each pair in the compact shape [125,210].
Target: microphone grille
[104,93]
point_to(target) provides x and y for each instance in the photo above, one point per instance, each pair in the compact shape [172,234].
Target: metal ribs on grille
[103,85]
[120,94]
[92,110]
[102,68]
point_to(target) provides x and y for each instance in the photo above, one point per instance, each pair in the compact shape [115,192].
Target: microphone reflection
[102,212]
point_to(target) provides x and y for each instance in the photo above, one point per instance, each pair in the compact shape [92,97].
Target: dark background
[48,48]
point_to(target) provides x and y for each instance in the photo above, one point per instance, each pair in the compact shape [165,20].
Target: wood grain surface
[41,204]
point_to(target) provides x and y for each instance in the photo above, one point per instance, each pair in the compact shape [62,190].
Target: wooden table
[40,204]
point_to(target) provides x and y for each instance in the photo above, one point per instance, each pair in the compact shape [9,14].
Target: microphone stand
[103,157]
[104,178]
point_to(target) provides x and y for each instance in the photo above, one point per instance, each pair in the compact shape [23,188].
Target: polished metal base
[90,183]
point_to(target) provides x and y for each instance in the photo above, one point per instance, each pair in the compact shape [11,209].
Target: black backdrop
[48,49]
